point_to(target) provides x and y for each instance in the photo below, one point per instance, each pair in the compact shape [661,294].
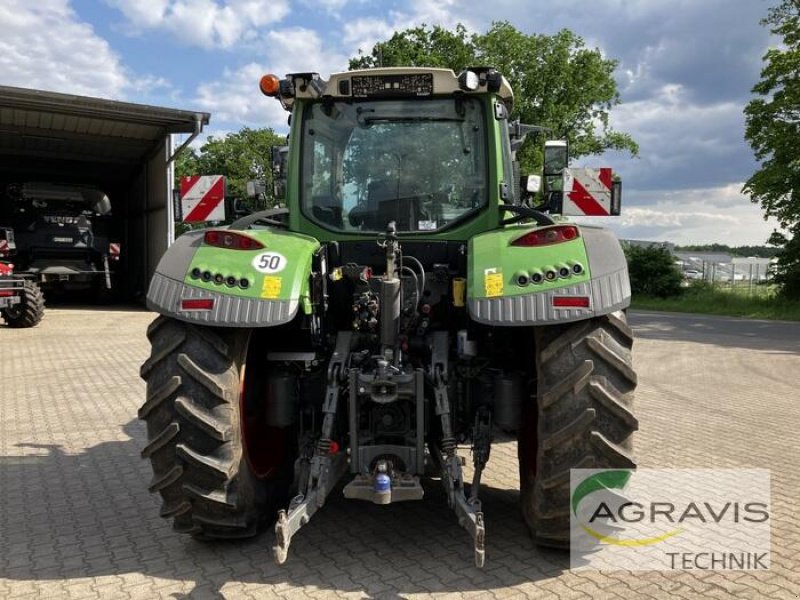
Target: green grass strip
[762,304]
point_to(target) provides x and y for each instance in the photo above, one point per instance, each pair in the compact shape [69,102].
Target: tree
[773,128]
[241,156]
[653,272]
[787,270]
[422,47]
[558,82]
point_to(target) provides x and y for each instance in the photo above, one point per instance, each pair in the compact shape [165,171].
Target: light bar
[197,304]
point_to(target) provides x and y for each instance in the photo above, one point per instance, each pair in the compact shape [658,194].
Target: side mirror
[556,160]
[556,157]
[280,155]
[255,188]
[616,198]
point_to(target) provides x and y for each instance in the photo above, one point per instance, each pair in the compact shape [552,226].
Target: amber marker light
[269,85]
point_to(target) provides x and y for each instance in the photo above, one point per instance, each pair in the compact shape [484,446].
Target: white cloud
[296,50]
[690,145]
[45,46]
[234,98]
[334,7]
[652,217]
[144,13]
[204,23]
[702,215]
[362,34]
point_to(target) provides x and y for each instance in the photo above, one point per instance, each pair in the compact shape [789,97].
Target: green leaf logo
[599,481]
[611,480]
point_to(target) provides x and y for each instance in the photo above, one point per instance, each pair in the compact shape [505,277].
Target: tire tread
[194,440]
[584,413]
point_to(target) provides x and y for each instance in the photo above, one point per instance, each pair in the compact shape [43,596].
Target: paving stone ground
[76,520]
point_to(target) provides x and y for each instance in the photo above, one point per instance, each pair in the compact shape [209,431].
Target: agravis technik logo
[611,480]
[715,519]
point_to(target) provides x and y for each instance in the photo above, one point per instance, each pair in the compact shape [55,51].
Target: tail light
[547,236]
[197,304]
[231,240]
[570,301]
[6,293]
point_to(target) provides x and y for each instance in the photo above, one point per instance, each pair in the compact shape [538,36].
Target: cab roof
[396,82]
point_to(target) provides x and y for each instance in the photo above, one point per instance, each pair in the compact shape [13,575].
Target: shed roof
[79,135]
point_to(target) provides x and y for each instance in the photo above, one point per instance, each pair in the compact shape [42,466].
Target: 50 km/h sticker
[269,262]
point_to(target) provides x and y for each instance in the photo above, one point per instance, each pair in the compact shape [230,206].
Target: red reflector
[571,301]
[231,240]
[6,293]
[197,304]
[547,236]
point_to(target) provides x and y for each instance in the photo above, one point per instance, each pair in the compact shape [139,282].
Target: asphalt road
[76,520]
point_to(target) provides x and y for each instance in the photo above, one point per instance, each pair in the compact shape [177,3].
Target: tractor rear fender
[560,282]
[252,287]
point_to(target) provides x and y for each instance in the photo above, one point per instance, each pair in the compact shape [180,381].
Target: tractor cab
[428,150]
[411,146]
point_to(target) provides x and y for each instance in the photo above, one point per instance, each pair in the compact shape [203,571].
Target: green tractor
[410,301]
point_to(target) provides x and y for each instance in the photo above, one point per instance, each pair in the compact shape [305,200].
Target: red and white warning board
[203,198]
[588,192]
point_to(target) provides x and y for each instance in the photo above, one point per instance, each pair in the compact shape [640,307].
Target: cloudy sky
[685,72]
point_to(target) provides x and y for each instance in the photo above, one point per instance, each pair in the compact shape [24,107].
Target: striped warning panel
[587,192]
[203,198]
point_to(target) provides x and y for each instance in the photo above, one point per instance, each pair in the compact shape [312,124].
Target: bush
[653,272]
[787,269]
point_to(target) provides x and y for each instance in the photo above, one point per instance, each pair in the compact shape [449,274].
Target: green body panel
[494,264]
[286,258]
[484,220]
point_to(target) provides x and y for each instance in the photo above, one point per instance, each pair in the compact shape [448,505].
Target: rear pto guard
[293,354]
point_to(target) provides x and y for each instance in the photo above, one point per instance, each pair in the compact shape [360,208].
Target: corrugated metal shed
[122,148]
[78,137]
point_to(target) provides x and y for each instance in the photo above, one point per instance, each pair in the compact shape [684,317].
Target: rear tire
[584,417]
[194,437]
[29,312]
